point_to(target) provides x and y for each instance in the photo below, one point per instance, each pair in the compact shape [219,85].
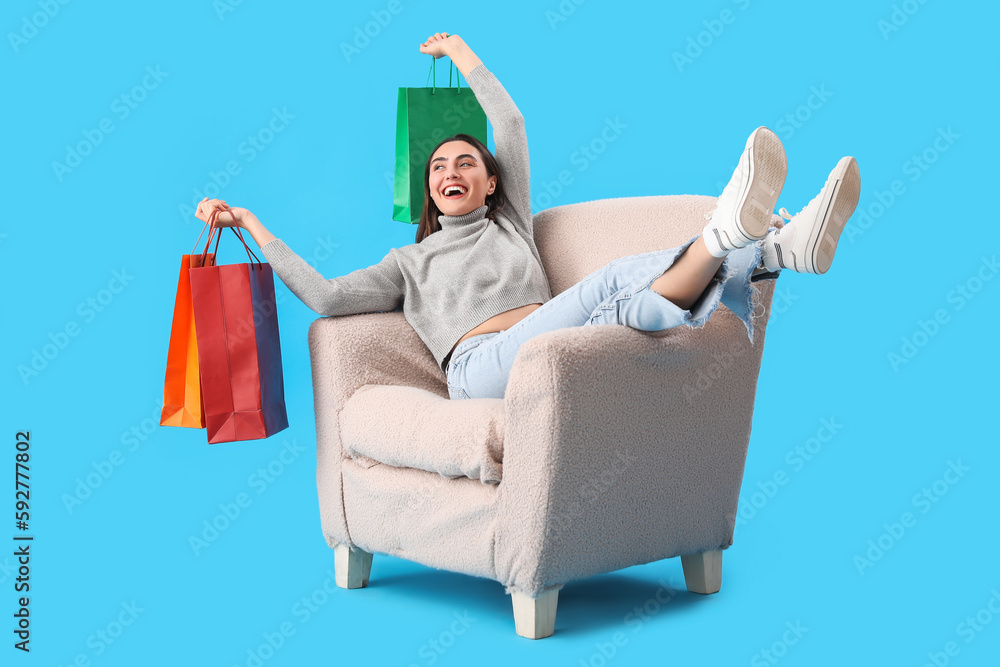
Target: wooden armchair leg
[352,568]
[535,618]
[703,571]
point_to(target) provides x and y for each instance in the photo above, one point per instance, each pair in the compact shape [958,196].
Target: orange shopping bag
[183,404]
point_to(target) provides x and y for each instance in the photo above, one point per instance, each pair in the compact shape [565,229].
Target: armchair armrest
[347,353]
[617,452]
[373,348]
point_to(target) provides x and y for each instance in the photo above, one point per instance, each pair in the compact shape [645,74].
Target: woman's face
[458,180]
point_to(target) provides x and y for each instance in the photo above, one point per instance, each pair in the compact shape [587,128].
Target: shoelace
[783,212]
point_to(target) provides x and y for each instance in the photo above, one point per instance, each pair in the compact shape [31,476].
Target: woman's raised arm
[507,121]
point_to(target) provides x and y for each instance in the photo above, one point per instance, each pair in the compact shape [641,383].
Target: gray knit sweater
[456,278]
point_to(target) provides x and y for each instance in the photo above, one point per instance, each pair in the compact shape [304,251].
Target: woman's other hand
[233,217]
[228,216]
[440,44]
[207,206]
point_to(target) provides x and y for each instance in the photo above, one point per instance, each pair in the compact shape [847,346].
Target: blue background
[889,91]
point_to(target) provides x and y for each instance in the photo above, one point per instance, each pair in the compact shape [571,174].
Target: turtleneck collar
[453,221]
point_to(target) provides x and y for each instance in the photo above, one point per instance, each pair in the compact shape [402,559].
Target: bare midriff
[501,322]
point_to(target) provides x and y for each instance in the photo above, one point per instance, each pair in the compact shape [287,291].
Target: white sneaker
[743,212]
[808,241]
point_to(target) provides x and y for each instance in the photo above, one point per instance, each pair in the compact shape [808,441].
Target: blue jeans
[618,293]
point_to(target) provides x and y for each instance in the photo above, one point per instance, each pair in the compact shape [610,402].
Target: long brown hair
[496,201]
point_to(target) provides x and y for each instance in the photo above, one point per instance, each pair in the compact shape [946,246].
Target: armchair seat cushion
[409,427]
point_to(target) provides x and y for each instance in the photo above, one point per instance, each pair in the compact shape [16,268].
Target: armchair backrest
[575,240]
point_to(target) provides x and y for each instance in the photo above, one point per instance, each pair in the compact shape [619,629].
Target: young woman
[473,286]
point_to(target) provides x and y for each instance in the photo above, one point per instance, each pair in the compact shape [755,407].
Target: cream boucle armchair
[613,447]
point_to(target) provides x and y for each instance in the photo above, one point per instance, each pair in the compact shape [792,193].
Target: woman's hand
[234,217]
[441,44]
[228,217]
[208,206]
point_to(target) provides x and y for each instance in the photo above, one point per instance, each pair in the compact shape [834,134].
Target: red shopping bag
[182,404]
[239,353]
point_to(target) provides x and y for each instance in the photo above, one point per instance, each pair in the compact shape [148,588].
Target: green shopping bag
[425,116]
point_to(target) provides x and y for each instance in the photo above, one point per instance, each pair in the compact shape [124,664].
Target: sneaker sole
[768,167]
[837,208]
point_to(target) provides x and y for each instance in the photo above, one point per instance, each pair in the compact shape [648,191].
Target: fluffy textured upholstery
[619,447]
[427,432]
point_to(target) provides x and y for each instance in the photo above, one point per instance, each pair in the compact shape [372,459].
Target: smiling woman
[452,178]
[461,175]
[473,286]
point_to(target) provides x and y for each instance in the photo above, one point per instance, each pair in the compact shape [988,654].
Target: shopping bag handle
[212,232]
[208,225]
[433,75]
